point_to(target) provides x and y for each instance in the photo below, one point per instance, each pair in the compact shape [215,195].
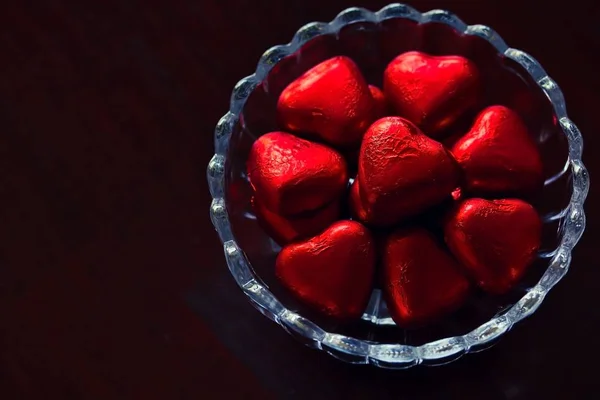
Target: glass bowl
[372,39]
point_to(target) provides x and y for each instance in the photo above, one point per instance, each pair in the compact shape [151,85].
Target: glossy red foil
[332,272]
[331,101]
[284,230]
[402,172]
[291,175]
[381,107]
[431,91]
[498,157]
[422,281]
[495,240]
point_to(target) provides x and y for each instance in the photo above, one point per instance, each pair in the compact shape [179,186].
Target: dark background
[112,281]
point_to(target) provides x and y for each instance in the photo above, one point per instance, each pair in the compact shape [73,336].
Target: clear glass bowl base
[372,39]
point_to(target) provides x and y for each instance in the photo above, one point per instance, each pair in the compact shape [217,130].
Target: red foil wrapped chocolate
[421,281]
[291,175]
[498,157]
[331,102]
[431,91]
[402,172]
[332,272]
[495,240]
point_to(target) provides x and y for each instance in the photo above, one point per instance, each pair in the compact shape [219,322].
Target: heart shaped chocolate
[498,157]
[402,172]
[291,175]
[330,101]
[284,230]
[431,91]
[495,240]
[332,272]
[422,281]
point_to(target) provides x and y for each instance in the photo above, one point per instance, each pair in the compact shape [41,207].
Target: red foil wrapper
[431,91]
[331,101]
[291,175]
[402,172]
[332,272]
[495,240]
[421,281]
[498,157]
[284,230]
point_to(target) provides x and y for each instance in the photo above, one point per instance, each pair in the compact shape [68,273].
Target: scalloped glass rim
[396,355]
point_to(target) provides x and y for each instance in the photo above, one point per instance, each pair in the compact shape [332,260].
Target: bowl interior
[372,46]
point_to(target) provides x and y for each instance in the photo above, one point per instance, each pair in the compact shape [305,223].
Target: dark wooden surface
[112,282]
